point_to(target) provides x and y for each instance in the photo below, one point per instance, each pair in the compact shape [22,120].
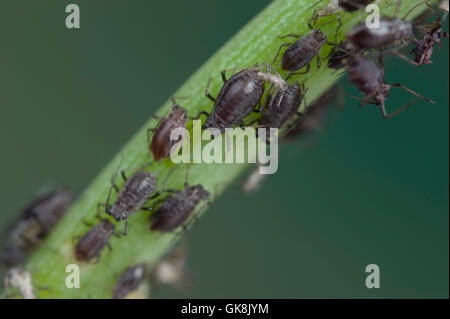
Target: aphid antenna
[164,181]
[315,4]
[113,183]
[397,9]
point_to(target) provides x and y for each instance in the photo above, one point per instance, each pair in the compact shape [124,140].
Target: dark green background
[367,191]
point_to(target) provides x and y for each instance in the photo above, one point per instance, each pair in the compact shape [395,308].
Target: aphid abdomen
[91,244]
[302,51]
[282,107]
[237,99]
[161,143]
[133,195]
[177,208]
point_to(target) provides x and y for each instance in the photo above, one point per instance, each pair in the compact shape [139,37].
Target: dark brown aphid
[424,47]
[136,191]
[282,107]
[161,144]
[238,97]
[336,7]
[91,244]
[177,208]
[369,79]
[300,53]
[129,281]
[32,226]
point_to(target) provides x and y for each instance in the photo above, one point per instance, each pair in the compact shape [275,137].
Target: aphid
[91,244]
[19,278]
[176,209]
[425,46]
[369,79]
[282,108]
[336,7]
[339,55]
[312,119]
[300,53]
[390,31]
[136,191]
[239,96]
[161,144]
[32,226]
[129,281]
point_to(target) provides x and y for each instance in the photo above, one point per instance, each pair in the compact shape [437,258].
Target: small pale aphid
[172,270]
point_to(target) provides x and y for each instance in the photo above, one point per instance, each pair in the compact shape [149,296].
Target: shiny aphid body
[237,98]
[130,280]
[132,196]
[177,208]
[390,32]
[369,79]
[33,225]
[161,144]
[300,53]
[91,244]
[282,107]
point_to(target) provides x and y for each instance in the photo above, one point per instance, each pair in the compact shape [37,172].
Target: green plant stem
[257,42]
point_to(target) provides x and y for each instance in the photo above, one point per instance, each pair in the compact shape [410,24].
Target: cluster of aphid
[239,96]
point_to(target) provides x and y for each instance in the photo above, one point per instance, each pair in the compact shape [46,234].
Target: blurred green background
[365,191]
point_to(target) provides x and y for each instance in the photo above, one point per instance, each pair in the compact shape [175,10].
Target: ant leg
[279,50]
[411,91]
[399,110]
[405,58]
[209,96]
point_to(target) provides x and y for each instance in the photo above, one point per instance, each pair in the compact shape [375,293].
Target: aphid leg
[198,115]
[279,50]
[308,68]
[411,91]
[397,9]
[313,19]
[209,96]
[290,35]
[76,238]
